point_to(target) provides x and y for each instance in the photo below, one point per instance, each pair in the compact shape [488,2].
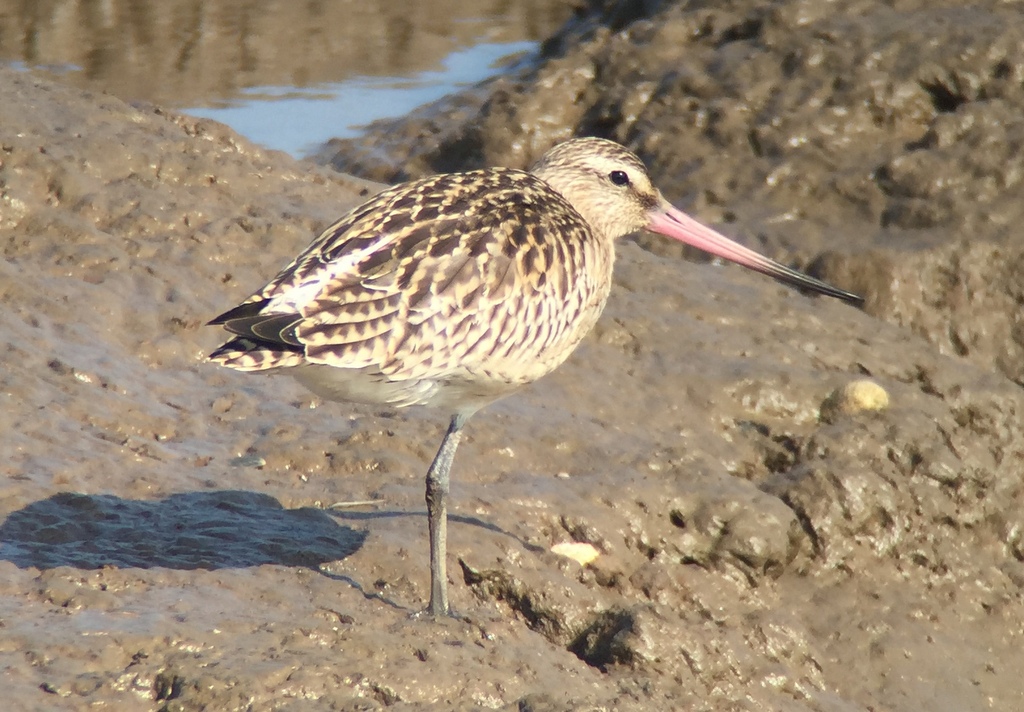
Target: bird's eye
[619,177]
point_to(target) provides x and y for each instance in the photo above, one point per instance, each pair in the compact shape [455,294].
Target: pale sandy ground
[164,542]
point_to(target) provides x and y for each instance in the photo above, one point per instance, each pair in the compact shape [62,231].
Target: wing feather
[409,283]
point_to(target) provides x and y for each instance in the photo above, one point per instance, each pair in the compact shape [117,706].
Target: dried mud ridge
[166,537]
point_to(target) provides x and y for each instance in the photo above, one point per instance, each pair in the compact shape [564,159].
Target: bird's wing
[421,263]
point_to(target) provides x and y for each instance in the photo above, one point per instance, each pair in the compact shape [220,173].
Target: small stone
[579,552]
[855,397]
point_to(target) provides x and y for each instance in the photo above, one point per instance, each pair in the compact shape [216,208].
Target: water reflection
[299,121]
[191,52]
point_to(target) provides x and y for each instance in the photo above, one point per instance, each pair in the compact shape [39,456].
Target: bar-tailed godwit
[455,290]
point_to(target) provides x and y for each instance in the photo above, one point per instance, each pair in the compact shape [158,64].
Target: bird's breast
[564,287]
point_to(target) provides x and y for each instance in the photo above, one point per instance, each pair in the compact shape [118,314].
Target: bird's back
[452,290]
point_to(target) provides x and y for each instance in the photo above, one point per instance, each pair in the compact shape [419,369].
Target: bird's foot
[428,614]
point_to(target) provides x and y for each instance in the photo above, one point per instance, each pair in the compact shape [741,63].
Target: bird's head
[609,186]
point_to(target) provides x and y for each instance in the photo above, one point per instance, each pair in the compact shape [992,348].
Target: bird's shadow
[194,530]
[221,529]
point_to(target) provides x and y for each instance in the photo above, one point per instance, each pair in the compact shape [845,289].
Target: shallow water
[300,119]
[289,76]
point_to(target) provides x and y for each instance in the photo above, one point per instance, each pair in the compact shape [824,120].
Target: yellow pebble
[854,397]
[579,552]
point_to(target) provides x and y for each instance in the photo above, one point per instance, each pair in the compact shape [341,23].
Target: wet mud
[177,536]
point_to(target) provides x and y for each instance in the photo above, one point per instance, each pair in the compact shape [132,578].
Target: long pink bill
[674,223]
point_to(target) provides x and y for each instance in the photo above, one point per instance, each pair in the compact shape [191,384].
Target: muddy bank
[878,144]
[164,540]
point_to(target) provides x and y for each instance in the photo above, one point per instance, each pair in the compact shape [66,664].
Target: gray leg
[437,513]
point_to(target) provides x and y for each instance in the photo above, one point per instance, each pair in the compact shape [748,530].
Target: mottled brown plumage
[433,262]
[455,290]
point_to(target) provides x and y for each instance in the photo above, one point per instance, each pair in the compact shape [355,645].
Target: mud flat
[763,543]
